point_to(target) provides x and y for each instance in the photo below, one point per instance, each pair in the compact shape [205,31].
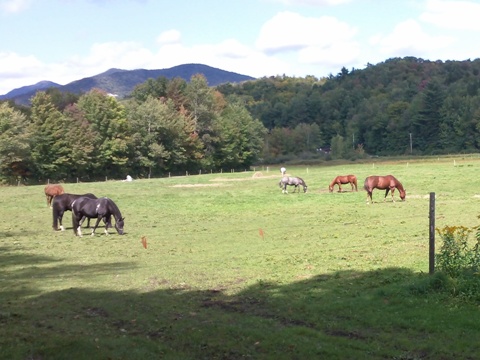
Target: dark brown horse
[346,179]
[52,190]
[62,203]
[387,183]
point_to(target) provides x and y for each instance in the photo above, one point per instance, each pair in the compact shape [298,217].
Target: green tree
[108,121]
[338,147]
[307,137]
[203,107]
[80,138]
[164,138]
[240,138]
[46,130]
[155,88]
[427,121]
[14,144]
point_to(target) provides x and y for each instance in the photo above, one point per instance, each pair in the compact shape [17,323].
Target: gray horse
[295,181]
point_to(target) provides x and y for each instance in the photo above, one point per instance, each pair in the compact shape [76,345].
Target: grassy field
[235,269]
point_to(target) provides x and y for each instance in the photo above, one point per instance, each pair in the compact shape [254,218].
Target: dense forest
[400,106]
[166,126]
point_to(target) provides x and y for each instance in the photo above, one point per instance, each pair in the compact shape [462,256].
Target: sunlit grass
[233,268]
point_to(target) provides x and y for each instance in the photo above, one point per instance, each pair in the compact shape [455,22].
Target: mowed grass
[235,269]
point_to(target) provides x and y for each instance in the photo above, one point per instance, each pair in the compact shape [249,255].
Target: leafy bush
[459,261]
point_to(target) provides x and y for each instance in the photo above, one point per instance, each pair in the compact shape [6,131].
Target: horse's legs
[391,192]
[386,193]
[77,229]
[60,218]
[107,220]
[340,187]
[83,220]
[369,196]
[96,225]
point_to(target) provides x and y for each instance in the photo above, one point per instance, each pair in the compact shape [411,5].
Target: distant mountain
[122,82]
[42,85]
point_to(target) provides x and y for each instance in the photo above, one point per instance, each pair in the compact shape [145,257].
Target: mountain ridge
[122,82]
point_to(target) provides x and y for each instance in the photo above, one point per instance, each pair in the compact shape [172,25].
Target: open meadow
[231,268]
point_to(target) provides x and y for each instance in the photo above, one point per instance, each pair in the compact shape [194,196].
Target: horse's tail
[365,184]
[355,182]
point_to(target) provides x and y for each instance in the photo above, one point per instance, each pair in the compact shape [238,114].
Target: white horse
[295,181]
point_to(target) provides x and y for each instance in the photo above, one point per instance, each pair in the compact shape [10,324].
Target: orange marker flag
[144,241]
[260,232]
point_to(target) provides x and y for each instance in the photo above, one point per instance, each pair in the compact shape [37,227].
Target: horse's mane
[116,210]
[398,184]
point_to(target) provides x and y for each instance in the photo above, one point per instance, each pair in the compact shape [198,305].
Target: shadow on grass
[383,314]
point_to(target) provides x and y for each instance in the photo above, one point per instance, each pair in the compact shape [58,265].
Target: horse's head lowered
[119,223]
[305,187]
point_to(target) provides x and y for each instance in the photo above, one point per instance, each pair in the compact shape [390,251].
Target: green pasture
[235,269]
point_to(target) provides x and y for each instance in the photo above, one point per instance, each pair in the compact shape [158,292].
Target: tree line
[166,126]
[400,106]
[397,107]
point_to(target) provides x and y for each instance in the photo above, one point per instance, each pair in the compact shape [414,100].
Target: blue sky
[66,40]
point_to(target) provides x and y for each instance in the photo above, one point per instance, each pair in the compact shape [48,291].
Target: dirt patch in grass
[256,176]
[197,185]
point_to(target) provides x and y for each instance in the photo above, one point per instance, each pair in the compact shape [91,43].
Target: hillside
[122,82]
[400,106]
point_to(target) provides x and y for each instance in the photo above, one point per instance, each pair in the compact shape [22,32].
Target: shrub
[459,261]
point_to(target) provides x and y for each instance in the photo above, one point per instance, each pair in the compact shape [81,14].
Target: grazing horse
[387,183]
[52,190]
[102,208]
[295,181]
[339,180]
[62,203]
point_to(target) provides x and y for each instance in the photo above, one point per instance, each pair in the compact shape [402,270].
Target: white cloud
[408,38]
[228,55]
[17,71]
[169,37]
[323,41]
[14,6]
[290,31]
[334,55]
[455,15]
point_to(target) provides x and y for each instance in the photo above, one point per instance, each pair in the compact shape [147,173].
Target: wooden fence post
[431,267]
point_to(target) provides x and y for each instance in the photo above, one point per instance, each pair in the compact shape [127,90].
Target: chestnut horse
[52,190]
[387,183]
[339,180]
